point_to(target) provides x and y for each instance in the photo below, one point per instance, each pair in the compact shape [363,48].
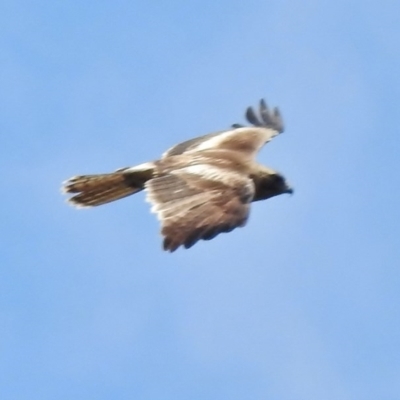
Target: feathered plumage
[199,188]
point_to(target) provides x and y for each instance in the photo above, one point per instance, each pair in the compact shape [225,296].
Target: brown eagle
[199,188]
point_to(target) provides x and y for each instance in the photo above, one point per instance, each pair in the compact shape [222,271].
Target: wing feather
[251,116]
[189,145]
[249,140]
[192,205]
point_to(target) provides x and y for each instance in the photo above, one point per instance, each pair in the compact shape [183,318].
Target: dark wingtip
[267,118]
[169,245]
[263,108]
[251,116]
[278,120]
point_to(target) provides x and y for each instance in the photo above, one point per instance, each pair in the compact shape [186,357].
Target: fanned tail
[95,190]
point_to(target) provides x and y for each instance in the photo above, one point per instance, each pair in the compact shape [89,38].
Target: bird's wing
[246,139]
[199,202]
[190,144]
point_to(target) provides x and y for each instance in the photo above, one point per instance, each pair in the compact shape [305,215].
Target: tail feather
[95,190]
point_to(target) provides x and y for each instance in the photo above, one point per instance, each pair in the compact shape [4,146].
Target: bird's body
[198,188]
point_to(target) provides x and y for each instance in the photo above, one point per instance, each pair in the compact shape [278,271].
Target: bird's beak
[289,190]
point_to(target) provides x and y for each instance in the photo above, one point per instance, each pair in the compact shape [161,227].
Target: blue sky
[303,303]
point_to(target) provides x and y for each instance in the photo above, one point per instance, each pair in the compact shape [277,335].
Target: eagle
[199,188]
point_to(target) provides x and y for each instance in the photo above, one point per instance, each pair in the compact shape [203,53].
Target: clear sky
[303,303]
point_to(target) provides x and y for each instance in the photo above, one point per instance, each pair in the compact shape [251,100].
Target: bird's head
[270,183]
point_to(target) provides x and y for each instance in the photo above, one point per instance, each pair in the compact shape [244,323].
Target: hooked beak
[289,190]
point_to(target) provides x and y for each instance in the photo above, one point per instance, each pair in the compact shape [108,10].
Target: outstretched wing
[199,202]
[248,139]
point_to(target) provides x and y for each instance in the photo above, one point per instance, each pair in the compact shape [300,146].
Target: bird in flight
[198,188]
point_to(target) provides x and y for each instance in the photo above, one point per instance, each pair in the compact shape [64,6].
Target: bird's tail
[95,190]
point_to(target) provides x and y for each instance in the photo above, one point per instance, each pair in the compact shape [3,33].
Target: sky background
[303,303]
